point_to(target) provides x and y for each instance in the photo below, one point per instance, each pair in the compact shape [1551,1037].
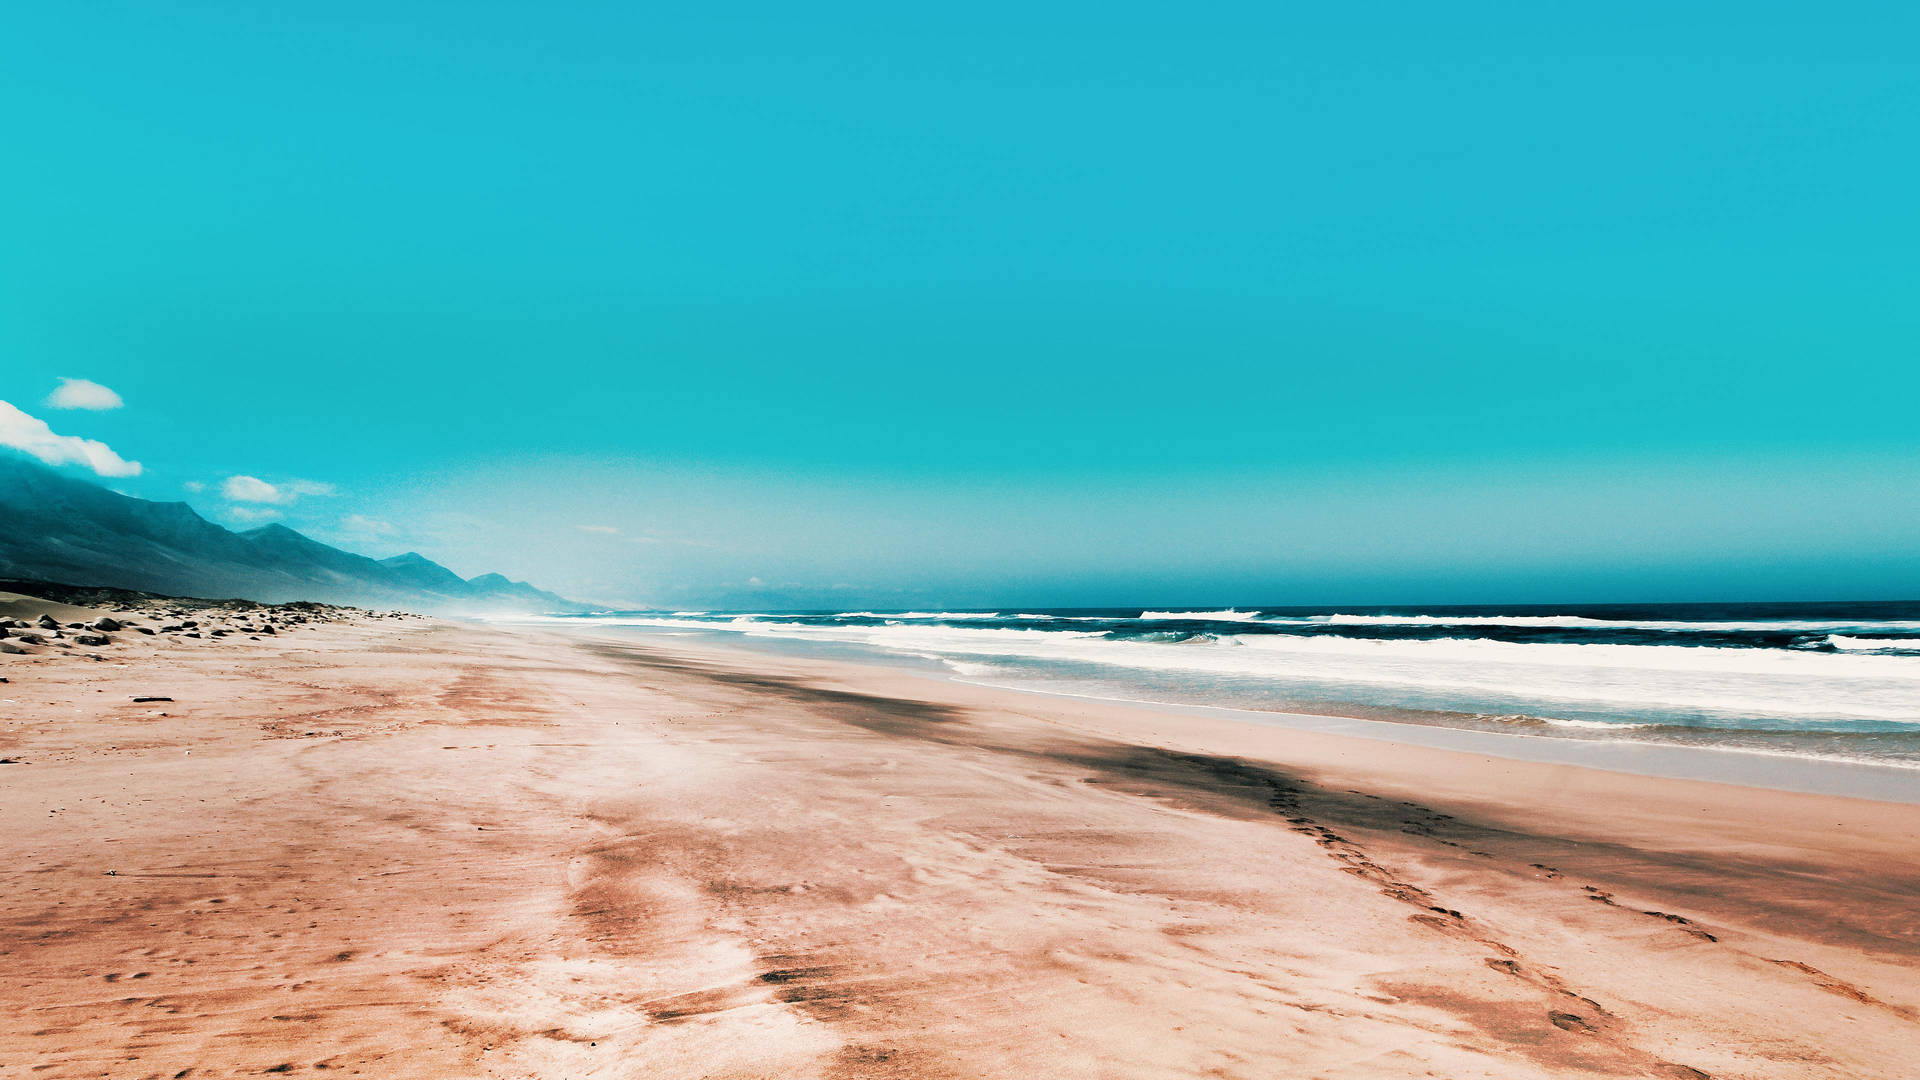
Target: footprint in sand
[1569,1022]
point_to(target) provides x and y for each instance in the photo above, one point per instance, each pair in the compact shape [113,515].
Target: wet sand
[420,849]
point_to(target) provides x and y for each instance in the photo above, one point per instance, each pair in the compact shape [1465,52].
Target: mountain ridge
[56,527]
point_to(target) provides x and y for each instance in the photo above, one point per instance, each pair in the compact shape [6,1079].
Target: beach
[406,847]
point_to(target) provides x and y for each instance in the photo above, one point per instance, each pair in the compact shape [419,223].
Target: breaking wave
[1690,673]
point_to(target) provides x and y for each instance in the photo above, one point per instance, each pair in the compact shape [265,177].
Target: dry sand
[419,849]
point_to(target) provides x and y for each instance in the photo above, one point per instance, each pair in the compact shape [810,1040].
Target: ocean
[1837,681]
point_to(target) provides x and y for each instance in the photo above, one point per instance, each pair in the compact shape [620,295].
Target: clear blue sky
[996,303]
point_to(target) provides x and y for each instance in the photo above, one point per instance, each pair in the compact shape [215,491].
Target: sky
[866,305]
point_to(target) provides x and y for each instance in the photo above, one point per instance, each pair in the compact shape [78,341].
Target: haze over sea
[1837,681]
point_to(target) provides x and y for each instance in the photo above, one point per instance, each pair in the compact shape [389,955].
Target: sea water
[1834,681]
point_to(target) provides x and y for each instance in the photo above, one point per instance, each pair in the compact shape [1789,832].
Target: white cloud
[603,530]
[252,513]
[194,486]
[31,434]
[252,489]
[83,394]
[678,541]
[360,523]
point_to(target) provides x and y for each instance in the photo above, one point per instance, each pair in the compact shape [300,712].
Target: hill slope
[55,527]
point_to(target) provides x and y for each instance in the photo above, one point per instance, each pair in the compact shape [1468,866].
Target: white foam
[1845,643]
[1759,683]
[1604,725]
[1861,681]
[1229,615]
[1574,622]
[925,616]
[1530,720]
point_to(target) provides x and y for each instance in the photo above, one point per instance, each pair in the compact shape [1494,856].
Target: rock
[138,700]
[10,647]
[147,630]
[30,639]
[3,630]
[92,639]
[48,622]
[107,624]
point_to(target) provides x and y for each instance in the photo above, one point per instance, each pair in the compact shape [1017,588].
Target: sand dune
[419,849]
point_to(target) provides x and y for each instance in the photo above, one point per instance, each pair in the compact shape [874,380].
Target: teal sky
[785,305]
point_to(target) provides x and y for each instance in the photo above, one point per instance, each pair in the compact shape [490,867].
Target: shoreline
[1806,774]
[1732,765]
[1517,786]
[417,848]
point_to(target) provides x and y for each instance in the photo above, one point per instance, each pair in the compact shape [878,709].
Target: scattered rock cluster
[166,618]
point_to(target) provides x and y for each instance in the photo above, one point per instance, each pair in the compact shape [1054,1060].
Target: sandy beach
[418,848]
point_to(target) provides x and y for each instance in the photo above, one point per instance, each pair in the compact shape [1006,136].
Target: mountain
[424,574]
[54,527]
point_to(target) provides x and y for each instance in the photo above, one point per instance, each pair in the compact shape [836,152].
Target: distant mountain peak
[276,531]
[55,527]
[410,558]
